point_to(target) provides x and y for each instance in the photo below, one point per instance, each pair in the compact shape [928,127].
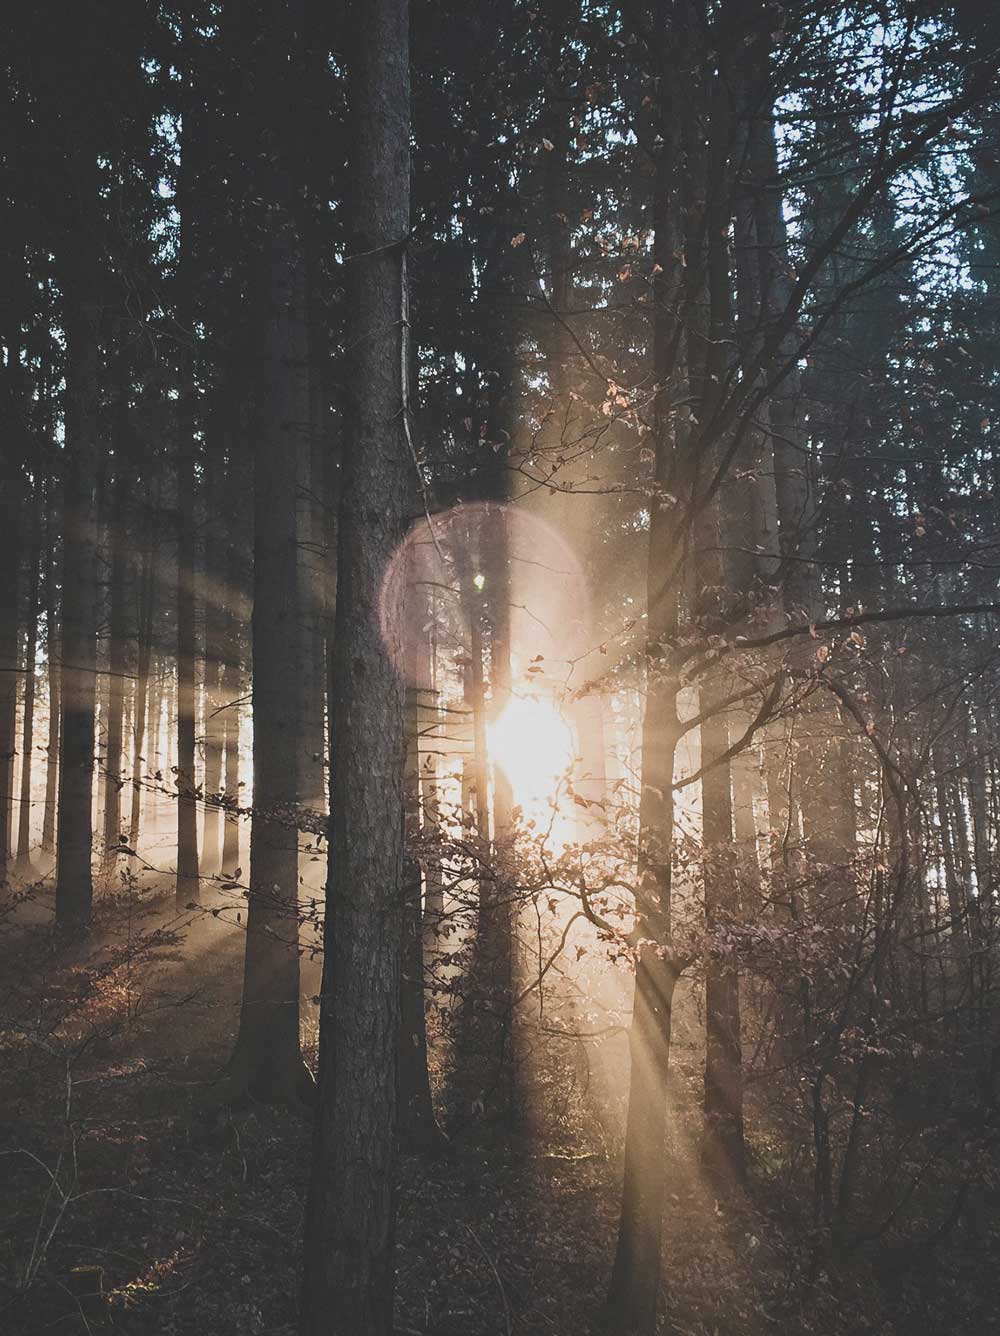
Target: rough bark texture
[267,1060]
[350,1221]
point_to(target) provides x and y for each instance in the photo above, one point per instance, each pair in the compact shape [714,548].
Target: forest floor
[118,1154]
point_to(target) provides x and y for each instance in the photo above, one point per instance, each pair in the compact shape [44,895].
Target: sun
[533,744]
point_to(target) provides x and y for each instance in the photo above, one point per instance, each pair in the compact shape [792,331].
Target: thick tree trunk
[267,1061]
[349,1261]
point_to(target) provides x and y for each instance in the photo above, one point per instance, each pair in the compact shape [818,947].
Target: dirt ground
[118,1154]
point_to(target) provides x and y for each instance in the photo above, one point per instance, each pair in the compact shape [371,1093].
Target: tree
[349,1262]
[188,886]
[80,266]
[267,1061]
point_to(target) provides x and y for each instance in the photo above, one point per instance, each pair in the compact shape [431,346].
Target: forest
[500,668]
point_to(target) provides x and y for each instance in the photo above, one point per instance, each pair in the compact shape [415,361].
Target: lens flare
[533,745]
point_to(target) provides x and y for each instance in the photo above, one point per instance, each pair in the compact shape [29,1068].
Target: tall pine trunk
[82,297]
[349,1252]
[215,624]
[28,726]
[141,730]
[187,885]
[53,667]
[230,691]
[267,1060]
[118,664]
[631,1303]
[10,515]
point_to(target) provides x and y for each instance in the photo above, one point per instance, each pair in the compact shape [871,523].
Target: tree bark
[82,295]
[141,730]
[350,1220]
[187,884]
[118,663]
[52,654]
[418,1129]
[267,1061]
[215,617]
[10,517]
[23,864]
[633,1293]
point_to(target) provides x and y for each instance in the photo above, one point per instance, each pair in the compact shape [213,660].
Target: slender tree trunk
[630,1308]
[143,700]
[498,925]
[12,495]
[118,664]
[349,1252]
[230,693]
[231,782]
[82,295]
[723,1148]
[418,1129]
[431,794]
[187,885]
[319,462]
[215,618]
[10,519]
[54,674]
[28,727]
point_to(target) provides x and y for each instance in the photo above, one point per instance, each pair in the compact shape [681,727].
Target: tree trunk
[54,674]
[722,1150]
[267,1061]
[118,664]
[187,884]
[231,687]
[82,296]
[10,518]
[418,1129]
[630,1308]
[143,701]
[349,1252]
[231,781]
[28,727]
[215,619]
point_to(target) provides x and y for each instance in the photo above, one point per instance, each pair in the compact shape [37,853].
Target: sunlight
[533,745]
